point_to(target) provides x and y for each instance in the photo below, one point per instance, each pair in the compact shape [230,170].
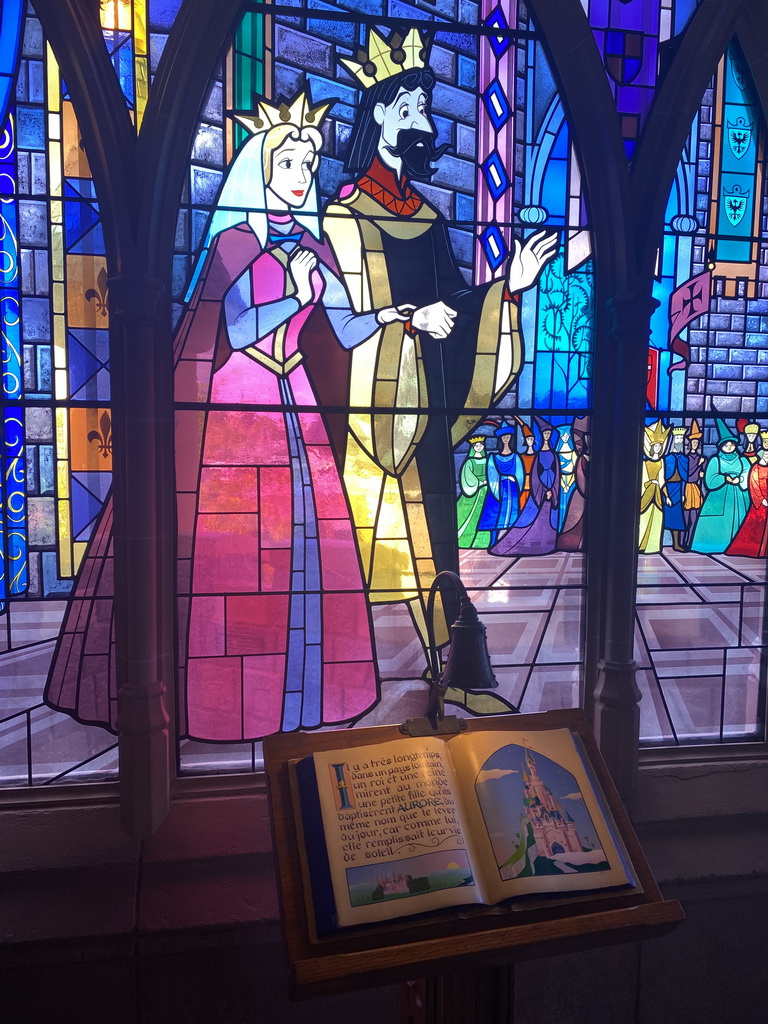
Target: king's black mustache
[418,151]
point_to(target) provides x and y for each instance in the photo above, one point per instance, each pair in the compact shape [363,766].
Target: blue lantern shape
[532,215]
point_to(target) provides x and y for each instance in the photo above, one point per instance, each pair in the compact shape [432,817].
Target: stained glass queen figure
[276,625]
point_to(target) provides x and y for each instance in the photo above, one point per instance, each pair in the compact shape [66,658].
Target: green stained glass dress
[474,488]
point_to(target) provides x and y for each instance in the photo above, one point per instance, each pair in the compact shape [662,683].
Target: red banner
[686,303]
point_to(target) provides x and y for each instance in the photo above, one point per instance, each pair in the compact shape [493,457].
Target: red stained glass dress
[752,538]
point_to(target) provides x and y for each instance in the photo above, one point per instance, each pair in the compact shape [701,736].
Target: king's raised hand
[528,260]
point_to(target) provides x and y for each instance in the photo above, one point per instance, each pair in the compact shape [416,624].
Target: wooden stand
[463,954]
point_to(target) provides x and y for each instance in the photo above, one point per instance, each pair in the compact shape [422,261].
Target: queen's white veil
[243,199]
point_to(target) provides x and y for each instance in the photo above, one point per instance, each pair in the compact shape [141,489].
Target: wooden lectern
[456,965]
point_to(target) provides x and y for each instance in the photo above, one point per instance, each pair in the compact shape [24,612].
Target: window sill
[207,876]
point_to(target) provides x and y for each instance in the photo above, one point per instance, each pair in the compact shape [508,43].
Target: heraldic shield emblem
[739,136]
[735,203]
[623,55]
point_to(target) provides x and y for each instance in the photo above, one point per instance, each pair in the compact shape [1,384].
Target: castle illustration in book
[554,830]
[393,883]
[535,816]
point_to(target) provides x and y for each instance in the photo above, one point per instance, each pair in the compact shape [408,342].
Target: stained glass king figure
[461,349]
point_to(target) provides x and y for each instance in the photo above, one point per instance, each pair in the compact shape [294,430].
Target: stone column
[620,421]
[143,556]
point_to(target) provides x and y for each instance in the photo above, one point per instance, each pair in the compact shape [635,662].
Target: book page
[538,821]
[397,844]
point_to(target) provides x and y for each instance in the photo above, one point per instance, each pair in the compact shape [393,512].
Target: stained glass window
[701,596]
[124,26]
[161,16]
[312,517]
[135,33]
[636,42]
[388,281]
[57,421]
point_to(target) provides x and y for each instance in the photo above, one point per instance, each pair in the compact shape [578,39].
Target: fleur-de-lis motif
[100,296]
[103,437]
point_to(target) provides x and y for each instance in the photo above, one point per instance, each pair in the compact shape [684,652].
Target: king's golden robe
[399,379]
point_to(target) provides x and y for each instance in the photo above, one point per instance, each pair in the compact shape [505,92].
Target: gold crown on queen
[300,114]
[385,59]
[656,433]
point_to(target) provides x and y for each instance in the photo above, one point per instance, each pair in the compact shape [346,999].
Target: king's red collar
[381,184]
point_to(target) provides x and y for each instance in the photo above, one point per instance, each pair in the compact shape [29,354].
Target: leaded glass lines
[124,26]
[390,399]
[56,441]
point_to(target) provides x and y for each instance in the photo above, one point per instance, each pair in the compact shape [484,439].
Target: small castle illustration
[392,884]
[553,828]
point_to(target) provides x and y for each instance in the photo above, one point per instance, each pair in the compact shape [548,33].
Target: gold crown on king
[385,59]
[300,113]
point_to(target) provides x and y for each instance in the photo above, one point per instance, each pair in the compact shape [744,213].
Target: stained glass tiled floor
[38,745]
[532,609]
[700,632]
[700,640]
[700,627]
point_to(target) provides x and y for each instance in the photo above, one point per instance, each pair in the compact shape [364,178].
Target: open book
[412,825]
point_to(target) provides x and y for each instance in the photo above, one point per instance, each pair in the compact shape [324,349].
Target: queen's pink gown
[274,626]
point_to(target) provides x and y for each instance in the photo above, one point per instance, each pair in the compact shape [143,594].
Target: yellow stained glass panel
[73,152]
[116,14]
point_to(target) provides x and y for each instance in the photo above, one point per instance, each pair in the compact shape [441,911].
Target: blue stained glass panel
[37,488]
[83,368]
[10,33]
[3,571]
[13,536]
[85,508]
[47,468]
[30,128]
[499,44]
[15,504]
[494,246]
[554,188]
[342,32]
[44,367]
[120,48]
[495,175]
[79,187]
[11,13]
[497,105]
[9,305]
[162,13]
[91,243]
[51,582]
[79,218]
[565,323]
